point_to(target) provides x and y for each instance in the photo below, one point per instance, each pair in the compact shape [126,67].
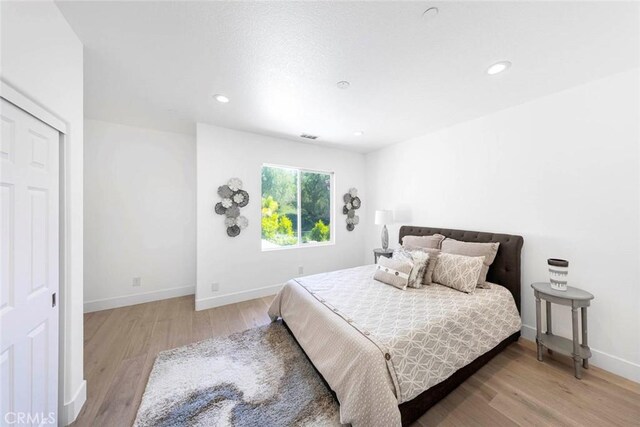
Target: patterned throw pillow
[474,249]
[458,271]
[393,272]
[420,261]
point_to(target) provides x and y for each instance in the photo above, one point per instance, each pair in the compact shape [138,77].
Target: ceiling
[157,64]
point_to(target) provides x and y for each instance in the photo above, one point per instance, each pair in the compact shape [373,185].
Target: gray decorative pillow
[393,272]
[422,242]
[420,261]
[433,260]
[458,271]
[473,249]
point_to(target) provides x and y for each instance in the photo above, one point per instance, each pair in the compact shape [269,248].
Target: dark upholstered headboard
[504,271]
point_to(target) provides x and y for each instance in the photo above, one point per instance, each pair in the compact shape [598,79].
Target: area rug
[259,377]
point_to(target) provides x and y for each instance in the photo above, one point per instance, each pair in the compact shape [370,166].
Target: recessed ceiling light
[430,13]
[498,67]
[221,98]
[343,84]
[358,133]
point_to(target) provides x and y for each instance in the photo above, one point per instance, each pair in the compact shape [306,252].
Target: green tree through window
[296,207]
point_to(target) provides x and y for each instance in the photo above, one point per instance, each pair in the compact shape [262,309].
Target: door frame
[17,98]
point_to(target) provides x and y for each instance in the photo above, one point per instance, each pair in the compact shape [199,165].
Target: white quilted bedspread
[378,346]
[425,334]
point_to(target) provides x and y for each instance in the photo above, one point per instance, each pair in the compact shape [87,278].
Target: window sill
[302,246]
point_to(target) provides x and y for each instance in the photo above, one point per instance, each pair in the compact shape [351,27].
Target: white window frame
[301,245]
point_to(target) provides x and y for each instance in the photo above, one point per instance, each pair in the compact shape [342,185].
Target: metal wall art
[351,204]
[233,198]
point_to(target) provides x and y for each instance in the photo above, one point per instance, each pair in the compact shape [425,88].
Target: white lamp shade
[384,217]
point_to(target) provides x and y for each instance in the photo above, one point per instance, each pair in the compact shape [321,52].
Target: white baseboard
[217,301]
[123,301]
[602,360]
[72,409]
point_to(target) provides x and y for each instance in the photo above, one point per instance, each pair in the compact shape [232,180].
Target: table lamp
[384,217]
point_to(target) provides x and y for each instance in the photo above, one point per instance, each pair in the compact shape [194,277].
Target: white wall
[562,171]
[238,264]
[42,58]
[140,215]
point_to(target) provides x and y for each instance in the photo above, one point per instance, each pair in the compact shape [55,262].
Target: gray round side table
[576,299]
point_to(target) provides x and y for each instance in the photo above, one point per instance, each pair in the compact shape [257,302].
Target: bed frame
[505,271]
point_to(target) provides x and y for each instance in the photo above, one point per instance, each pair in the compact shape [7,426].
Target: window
[296,207]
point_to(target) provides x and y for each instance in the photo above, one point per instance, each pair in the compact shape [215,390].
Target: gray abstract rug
[259,377]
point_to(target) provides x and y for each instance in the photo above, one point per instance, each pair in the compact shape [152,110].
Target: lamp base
[385,238]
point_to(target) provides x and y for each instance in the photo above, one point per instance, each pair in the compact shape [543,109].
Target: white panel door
[29,153]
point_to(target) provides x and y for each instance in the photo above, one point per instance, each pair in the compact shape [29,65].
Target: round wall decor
[233,198]
[351,203]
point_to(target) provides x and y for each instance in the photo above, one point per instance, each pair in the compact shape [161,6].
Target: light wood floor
[120,346]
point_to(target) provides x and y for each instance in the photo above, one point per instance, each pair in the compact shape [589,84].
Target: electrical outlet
[137,281]
[215,287]
[300,269]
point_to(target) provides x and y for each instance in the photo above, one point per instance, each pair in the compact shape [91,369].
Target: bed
[390,355]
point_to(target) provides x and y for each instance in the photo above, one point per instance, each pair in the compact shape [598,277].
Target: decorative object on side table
[576,299]
[558,273]
[378,252]
[351,203]
[384,217]
[233,198]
